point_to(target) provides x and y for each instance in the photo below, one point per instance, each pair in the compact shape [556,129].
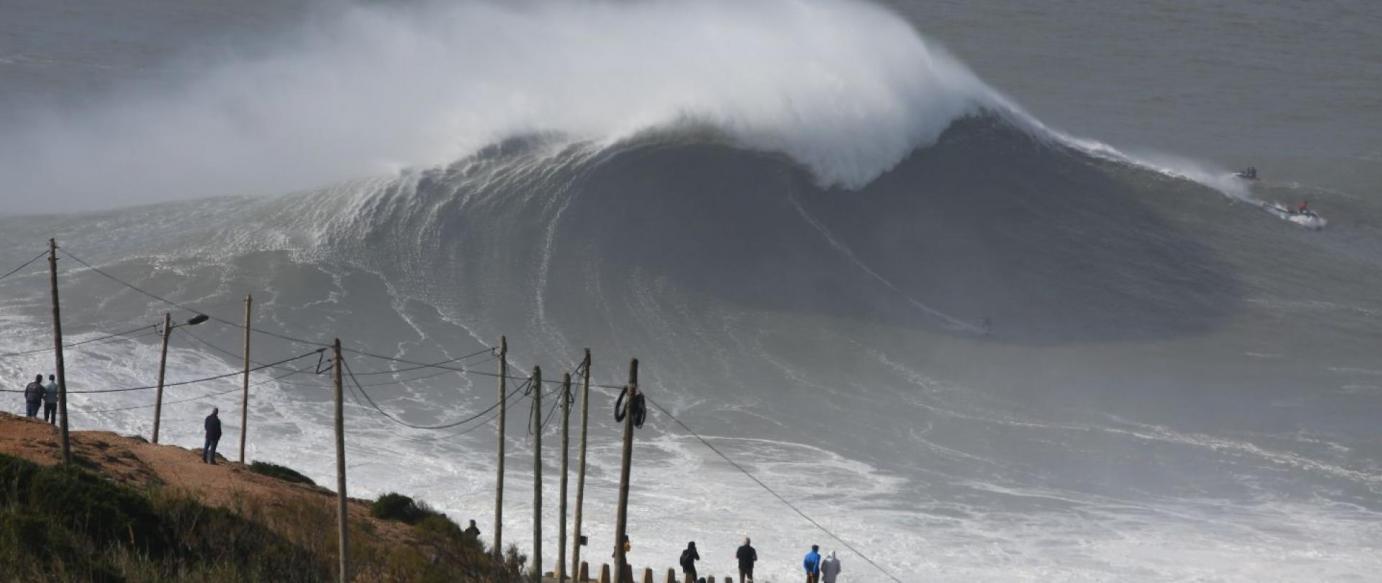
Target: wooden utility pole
[565,456]
[621,519]
[162,367]
[580,474]
[57,348]
[342,544]
[245,397]
[499,479]
[537,474]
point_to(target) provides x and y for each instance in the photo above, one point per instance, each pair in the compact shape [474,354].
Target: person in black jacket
[688,560]
[213,436]
[747,557]
[33,397]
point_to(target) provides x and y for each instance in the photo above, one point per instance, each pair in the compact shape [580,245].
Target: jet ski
[1249,173]
[1303,217]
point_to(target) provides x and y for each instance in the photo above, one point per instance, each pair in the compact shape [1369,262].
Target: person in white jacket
[830,568]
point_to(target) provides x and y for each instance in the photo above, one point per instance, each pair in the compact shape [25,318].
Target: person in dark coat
[213,436]
[830,568]
[747,557]
[33,397]
[472,532]
[688,560]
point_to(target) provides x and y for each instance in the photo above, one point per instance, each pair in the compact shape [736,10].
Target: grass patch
[68,524]
[61,524]
[281,472]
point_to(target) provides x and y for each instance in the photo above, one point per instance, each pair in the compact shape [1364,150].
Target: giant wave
[874,281]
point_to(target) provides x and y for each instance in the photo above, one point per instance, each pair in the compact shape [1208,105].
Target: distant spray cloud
[845,88]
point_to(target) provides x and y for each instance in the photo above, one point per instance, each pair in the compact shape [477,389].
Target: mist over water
[802,218]
[846,88]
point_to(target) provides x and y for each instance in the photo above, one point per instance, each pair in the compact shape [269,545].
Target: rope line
[773,492]
[21,267]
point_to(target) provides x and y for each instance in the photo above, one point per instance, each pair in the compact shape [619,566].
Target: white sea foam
[844,87]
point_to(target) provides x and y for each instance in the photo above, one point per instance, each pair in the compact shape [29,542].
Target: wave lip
[844,87]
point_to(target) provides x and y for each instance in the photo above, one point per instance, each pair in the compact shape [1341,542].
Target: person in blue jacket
[812,563]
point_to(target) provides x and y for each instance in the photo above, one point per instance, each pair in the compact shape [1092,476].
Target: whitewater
[975,347]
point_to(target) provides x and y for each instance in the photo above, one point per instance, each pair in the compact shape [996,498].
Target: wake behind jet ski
[1249,173]
[1301,215]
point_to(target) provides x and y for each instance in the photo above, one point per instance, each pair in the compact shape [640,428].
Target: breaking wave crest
[845,88]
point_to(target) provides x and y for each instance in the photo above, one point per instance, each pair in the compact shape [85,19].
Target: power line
[559,394]
[376,407]
[486,350]
[771,491]
[462,370]
[180,306]
[26,264]
[208,344]
[479,425]
[278,335]
[181,383]
[206,396]
[125,335]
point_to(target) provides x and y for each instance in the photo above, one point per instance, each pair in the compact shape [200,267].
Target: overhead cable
[773,492]
[399,421]
[188,382]
[25,264]
[206,396]
[125,335]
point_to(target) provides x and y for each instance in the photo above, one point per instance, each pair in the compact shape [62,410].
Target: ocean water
[971,283]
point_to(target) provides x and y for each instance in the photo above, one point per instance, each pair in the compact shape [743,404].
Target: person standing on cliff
[688,561]
[213,436]
[830,568]
[812,564]
[33,397]
[747,557]
[50,401]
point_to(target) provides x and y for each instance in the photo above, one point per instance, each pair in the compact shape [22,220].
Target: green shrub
[440,525]
[398,507]
[283,473]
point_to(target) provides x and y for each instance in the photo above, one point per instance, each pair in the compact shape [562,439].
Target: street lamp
[168,326]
